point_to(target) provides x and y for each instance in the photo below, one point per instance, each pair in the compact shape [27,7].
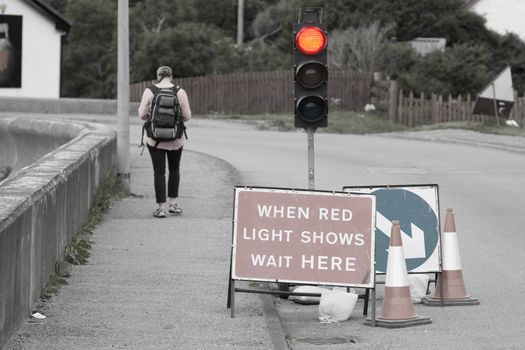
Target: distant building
[424,46]
[31,35]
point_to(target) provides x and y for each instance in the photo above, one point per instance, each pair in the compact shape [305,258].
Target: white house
[31,35]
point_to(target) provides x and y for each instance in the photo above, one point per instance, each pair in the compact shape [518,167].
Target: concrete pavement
[156,283]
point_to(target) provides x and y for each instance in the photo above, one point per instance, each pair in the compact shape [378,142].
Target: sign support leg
[232,298]
[441,289]
[229,300]
[374,307]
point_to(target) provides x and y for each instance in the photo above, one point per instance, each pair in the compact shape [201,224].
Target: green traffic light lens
[311,74]
[311,108]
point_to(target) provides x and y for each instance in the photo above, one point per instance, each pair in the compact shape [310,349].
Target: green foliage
[89,55]
[511,52]
[357,49]
[189,48]
[79,250]
[257,56]
[340,122]
[5,172]
[198,37]
[396,58]
[460,69]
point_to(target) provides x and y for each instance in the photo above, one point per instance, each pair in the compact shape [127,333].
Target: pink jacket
[145,107]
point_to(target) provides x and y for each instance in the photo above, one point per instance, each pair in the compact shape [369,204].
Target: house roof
[60,22]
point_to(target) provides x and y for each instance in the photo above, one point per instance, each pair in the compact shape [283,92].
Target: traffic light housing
[310,70]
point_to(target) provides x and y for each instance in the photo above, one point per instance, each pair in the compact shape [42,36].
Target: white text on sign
[312,262]
[292,212]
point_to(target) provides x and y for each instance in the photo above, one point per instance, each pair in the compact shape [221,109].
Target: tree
[197,37]
[459,70]
[189,48]
[396,59]
[89,54]
[511,52]
[358,48]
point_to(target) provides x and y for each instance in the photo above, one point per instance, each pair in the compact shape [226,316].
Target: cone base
[433,301]
[416,321]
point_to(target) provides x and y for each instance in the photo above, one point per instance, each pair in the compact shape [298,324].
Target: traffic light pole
[311,158]
[123,95]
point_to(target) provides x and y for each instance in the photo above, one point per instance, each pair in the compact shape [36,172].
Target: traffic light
[310,70]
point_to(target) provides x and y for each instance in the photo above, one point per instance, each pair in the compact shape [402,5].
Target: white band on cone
[396,270]
[451,259]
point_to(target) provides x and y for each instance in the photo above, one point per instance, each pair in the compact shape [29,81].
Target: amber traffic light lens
[311,74]
[310,40]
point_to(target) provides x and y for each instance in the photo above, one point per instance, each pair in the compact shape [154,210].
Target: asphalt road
[479,176]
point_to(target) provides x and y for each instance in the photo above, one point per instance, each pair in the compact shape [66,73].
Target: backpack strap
[154,89]
[175,90]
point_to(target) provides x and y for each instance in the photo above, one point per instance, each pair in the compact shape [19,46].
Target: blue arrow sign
[419,227]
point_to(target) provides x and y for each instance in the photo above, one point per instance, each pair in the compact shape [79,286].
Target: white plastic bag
[418,286]
[336,306]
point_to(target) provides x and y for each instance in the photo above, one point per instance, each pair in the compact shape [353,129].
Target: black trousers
[158,158]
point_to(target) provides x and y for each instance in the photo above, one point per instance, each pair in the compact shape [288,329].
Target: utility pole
[240,22]
[123,94]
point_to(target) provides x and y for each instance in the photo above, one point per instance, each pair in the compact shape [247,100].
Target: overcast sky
[503,15]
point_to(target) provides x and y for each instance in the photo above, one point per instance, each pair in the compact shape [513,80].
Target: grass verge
[349,122]
[5,172]
[78,251]
[487,128]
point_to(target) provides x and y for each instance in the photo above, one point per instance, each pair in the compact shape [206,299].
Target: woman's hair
[163,72]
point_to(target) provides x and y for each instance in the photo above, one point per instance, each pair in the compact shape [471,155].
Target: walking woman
[165,150]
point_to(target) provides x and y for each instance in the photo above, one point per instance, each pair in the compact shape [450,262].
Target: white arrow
[414,247]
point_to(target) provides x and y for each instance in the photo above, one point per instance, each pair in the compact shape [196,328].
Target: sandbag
[336,306]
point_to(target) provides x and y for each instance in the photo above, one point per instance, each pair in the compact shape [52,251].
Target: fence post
[421,110]
[410,108]
[434,108]
[393,95]
[450,112]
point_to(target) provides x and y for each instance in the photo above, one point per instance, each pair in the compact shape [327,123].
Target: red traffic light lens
[311,108]
[311,74]
[310,40]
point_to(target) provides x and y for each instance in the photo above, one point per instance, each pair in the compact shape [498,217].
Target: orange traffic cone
[454,291]
[397,311]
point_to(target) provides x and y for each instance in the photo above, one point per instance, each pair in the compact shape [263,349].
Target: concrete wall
[41,50]
[23,141]
[42,206]
[63,105]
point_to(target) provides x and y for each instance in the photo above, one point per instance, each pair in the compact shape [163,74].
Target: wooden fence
[411,110]
[263,92]
[271,92]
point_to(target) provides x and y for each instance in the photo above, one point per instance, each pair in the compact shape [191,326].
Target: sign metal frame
[291,193]
[436,265]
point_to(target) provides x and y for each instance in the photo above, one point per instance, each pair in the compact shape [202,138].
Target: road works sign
[498,97]
[417,209]
[301,236]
